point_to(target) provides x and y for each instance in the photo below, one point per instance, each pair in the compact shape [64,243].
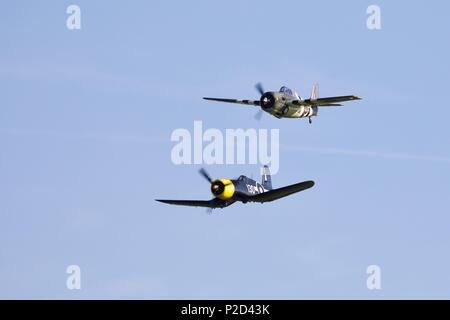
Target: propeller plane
[286,103]
[243,189]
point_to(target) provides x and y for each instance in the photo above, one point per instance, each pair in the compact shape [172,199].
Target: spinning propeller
[259,87]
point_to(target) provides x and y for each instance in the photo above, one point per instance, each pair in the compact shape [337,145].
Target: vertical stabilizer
[315,92]
[266,179]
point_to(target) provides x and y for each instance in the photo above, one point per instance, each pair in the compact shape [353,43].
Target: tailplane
[266,179]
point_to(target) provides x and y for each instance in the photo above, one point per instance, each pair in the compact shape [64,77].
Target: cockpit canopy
[286,90]
[289,92]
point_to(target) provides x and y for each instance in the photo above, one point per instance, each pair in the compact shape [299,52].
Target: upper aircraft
[288,104]
[243,189]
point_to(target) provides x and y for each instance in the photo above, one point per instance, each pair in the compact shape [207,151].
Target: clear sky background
[85,124]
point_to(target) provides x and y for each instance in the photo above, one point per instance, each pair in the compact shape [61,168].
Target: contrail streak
[369,153]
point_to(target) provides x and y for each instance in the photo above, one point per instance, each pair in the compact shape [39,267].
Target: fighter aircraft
[286,103]
[243,189]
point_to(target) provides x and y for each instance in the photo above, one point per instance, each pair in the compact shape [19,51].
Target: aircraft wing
[247,102]
[325,102]
[213,203]
[281,192]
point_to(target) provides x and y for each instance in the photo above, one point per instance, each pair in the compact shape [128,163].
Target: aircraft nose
[223,189]
[267,100]
[217,187]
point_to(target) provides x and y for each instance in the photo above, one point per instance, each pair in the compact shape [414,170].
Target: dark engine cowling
[217,187]
[267,101]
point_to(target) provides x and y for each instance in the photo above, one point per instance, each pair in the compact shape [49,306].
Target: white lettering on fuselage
[255,189]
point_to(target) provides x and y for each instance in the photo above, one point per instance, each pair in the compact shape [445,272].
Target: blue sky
[85,129]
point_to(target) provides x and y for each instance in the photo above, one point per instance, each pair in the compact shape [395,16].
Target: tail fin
[266,179]
[315,92]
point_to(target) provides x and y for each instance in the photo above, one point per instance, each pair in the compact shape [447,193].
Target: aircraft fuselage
[281,105]
[236,189]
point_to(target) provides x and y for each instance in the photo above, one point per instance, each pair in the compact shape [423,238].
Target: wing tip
[163,201]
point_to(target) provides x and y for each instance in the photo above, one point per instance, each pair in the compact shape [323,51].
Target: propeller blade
[205,175]
[258,115]
[260,88]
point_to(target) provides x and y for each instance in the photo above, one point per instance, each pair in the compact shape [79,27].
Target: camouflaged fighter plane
[243,189]
[288,104]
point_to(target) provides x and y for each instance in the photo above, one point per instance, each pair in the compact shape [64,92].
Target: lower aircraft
[243,189]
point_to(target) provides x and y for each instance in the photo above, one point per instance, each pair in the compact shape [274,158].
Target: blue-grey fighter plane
[243,189]
[286,103]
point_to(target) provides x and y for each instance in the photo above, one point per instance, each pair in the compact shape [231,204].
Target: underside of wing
[331,105]
[281,192]
[325,102]
[213,203]
[246,102]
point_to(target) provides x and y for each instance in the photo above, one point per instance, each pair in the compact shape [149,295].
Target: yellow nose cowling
[228,192]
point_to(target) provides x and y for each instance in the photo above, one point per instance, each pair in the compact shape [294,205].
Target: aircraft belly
[292,112]
[304,111]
